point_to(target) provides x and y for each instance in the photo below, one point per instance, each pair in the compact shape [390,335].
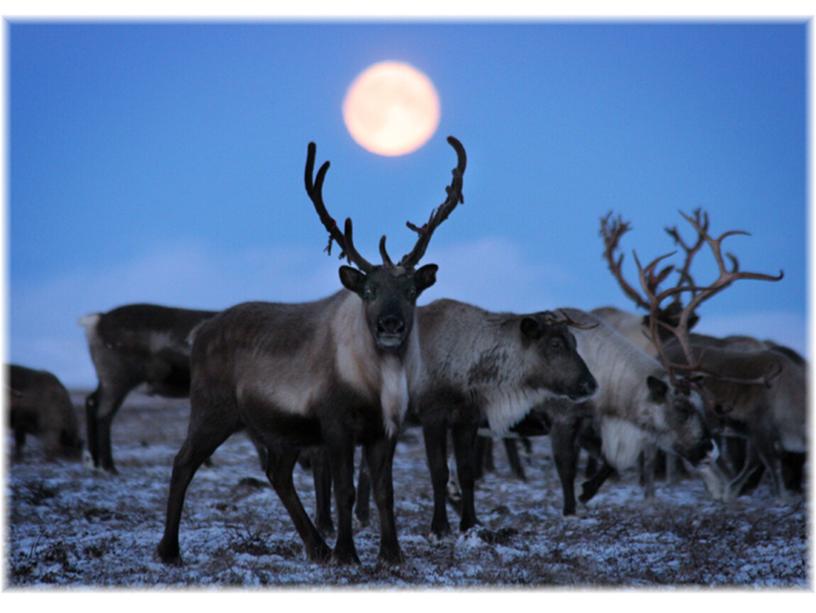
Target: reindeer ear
[425,277]
[530,328]
[352,279]
[657,388]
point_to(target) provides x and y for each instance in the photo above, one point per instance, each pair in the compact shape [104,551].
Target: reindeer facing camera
[333,372]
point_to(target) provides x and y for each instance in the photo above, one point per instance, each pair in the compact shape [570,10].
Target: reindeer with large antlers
[726,378]
[334,372]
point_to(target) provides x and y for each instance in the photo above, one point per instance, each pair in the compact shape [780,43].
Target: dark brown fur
[40,405]
[133,345]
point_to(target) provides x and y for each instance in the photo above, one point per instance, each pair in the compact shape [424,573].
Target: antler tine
[439,214]
[612,229]
[314,188]
[384,253]
[351,252]
[569,321]
[727,275]
[650,284]
[700,223]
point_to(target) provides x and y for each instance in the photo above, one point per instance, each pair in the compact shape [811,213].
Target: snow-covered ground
[71,526]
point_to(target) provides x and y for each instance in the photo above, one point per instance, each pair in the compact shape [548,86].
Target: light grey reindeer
[334,372]
[132,345]
[767,400]
[480,364]
[638,408]
[675,321]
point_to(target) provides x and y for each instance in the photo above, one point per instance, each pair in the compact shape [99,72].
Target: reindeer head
[552,360]
[680,420]
[682,394]
[388,291]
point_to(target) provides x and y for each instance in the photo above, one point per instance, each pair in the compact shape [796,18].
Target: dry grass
[71,526]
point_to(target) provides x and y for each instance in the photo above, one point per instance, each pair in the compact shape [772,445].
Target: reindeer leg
[361,507]
[564,441]
[591,466]
[751,464]
[793,465]
[91,405]
[380,458]
[279,469]
[590,488]
[110,399]
[341,453]
[436,439]
[323,485]
[511,448]
[202,440]
[482,456]
[464,439]
[648,469]
[19,443]
[770,458]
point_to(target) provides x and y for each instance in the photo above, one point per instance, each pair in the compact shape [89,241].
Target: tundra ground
[71,526]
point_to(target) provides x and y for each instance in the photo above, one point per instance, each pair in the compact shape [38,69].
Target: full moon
[391,108]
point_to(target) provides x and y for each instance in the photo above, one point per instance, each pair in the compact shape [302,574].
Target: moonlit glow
[391,108]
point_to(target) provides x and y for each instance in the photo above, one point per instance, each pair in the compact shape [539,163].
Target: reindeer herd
[320,378]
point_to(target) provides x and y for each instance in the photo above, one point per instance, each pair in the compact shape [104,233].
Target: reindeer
[480,364]
[637,409]
[334,372]
[680,317]
[40,405]
[792,461]
[758,394]
[133,345]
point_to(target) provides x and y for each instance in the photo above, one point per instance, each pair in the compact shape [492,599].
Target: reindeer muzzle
[390,332]
[585,389]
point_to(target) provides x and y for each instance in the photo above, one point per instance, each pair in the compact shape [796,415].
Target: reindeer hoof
[466,525]
[319,553]
[585,496]
[169,555]
[343,557]
[440,530]
[391,556]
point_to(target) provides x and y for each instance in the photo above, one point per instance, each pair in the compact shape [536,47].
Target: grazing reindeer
[660,327]
[792,461]
[132,345]
[637,408]
[40,405]
[335,372]
[479,364]
[759,395]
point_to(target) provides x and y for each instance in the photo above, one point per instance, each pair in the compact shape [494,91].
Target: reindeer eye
[556,343]
[369,293]
[411,293]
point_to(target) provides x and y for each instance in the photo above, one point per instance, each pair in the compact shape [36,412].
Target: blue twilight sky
[164,163]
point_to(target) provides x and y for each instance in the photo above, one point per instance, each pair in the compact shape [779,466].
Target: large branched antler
[314,187]
[440,213]
[700,221]
[727,275]
[612,229]
[650,281]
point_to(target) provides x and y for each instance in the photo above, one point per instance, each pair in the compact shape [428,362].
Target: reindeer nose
[390,324]
[588,386]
